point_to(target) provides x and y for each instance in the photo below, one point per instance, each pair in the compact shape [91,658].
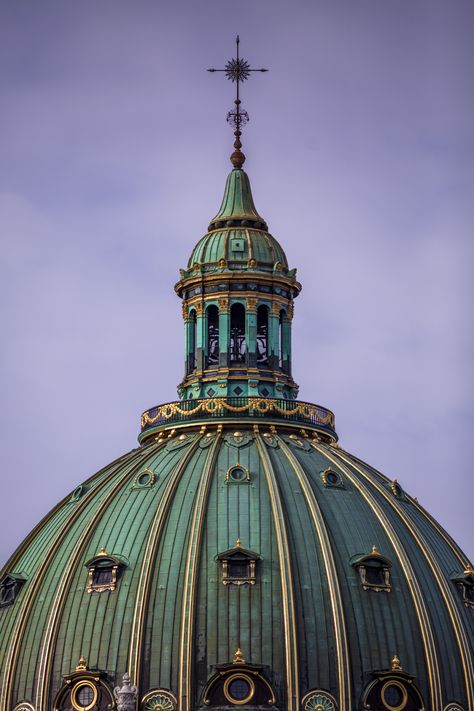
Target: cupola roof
[237,208]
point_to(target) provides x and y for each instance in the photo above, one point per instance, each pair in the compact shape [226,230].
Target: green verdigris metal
[317,631]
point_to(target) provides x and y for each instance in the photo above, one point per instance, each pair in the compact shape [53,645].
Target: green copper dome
[240,557]
[267,545]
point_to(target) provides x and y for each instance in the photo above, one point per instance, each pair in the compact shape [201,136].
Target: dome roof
[237,246]
[268,543]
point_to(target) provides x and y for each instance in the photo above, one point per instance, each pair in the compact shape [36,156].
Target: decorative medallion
[298,442]
[453,707]
[181,441]
[159,700]
[319,701]
[207,440]
[270,440]
[24,706]
[238,439]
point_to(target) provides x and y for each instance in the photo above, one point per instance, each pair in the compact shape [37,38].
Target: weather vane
[237,70]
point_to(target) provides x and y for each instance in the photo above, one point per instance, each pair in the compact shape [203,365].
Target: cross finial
[237,70]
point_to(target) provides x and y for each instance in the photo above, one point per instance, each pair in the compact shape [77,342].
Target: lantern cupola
[238,293]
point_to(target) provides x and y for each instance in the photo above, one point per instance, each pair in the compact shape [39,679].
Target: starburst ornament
[237,70]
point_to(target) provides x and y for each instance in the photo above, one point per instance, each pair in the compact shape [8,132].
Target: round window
[238,474]
[394,696]
[144,479]
[332,478]
[84,696]
[239,689]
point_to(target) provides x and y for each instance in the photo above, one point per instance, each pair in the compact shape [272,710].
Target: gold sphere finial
[239,657]
[102,551]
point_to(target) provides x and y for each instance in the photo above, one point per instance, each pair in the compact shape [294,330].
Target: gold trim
[228,695]
[74,692]
[289,621]
[190,582]
[337,609]
[402,705]
[151,547]
[448,597]
[11,660]
[429,644]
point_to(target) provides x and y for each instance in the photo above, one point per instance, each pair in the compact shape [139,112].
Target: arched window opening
[280,339]
[374,571]
[262,335]
[237,334]
[212,335]
[192,355]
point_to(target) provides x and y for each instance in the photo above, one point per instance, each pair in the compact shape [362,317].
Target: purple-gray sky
[114,152]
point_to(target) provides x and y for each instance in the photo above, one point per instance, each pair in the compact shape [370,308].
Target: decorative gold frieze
[254,404]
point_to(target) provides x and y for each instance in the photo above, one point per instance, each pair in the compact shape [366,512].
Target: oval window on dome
[238,474]
[394,696]
[84,696]
[332,479]
[144,479]
[239,689]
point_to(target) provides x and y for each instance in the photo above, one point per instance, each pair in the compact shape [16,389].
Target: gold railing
[237,407]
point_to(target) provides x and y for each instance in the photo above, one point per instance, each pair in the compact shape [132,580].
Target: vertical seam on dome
[343,665]
[250,243]
[429,643]
[270,245]
[189,592]
[47,647]
[143,589]
[291,649]
[30,594]
[204,247]
[466,658]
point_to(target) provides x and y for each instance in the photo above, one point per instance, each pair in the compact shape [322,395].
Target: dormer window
[465,585]
[374,571]
[392,689]
[238,565]
[238,683]
[10,586]
[104,571]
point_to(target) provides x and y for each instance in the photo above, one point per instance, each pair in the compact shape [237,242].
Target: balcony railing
[185,411]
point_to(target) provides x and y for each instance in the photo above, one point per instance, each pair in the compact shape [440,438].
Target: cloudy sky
[114,152]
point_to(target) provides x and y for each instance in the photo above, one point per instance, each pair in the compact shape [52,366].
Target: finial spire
[237,70]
